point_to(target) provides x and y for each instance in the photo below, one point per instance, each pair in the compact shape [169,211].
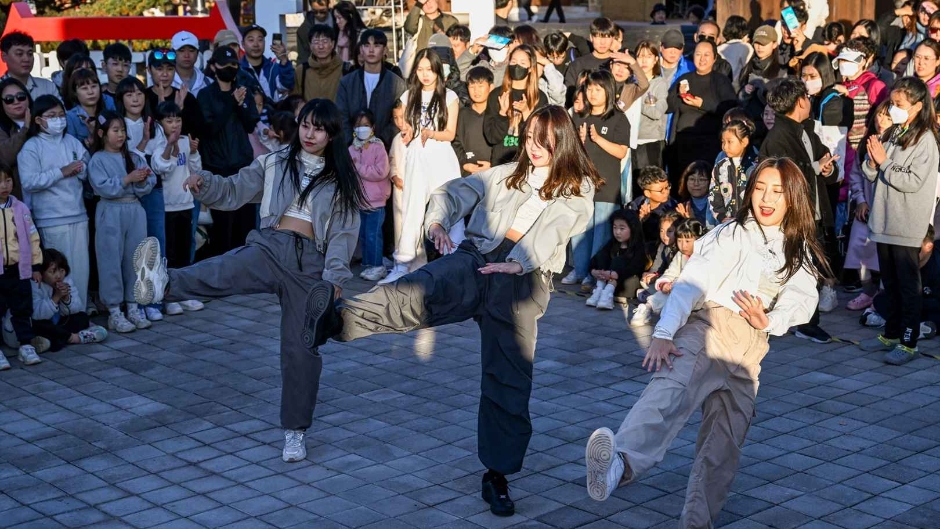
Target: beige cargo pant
[718,370]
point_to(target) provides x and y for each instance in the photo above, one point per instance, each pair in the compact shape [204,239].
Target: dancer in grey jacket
[310,199]
[522,216]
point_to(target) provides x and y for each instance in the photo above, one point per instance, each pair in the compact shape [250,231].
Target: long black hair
[104,124]
[925,123]
[605,80]
[339,169]
[6,123]
[437,106]
[354,23]
[635,242]
[129,85]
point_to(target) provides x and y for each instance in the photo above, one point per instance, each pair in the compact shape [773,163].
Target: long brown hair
[532,82]
[801,247]
[552,128]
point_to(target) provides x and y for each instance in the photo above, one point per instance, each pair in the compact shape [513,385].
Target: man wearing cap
[226,37]
[319,13]
[275,76]
[230,116]
[186,46]
[161,65]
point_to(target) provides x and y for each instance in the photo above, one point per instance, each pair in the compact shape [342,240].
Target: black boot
[496,493]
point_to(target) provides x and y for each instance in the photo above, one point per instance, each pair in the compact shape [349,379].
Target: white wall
[481,14]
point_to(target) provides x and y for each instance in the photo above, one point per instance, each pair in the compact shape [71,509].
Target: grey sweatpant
[718,371]
[506,307]
[119,228]
[271,262]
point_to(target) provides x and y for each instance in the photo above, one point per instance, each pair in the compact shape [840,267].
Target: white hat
[849,55]
[184,38]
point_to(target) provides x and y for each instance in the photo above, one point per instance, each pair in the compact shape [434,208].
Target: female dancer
[522,216]
[761,259]
[310,198]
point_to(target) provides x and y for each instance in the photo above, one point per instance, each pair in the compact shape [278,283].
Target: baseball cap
[673,39]
[160,57]
[225,37]
[765,35]
[184,38]
[224,55]
[658,7]
[254,27]
[849,55]
[439,40]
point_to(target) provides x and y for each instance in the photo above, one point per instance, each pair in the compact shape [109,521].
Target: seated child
[930,283]
[664,254]
[654,203]
[20,257]
[58,312]
[618,265]
[687,232]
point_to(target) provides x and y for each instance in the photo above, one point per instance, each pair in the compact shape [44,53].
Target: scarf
[22,219]
[360,144]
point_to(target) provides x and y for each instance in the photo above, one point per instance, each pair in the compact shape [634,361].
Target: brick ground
[176,426]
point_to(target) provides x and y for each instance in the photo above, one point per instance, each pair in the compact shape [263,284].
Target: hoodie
[55,200]
[319,80]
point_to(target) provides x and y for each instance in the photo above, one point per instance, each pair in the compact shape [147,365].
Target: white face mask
[499,56]
[848,68]
[363,133]
[813,86]
[898,115]
[55,126]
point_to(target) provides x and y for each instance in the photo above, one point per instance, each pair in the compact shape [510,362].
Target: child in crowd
[618,265]
[654,203]
[120,178]
[84,89]
[470,144]
[51,169]
[21,261]
[729,178]
[117,66]
[687,232]
[368,154]
[174,158]
[58,313]
[665,251]
[930,287]
[279,132]
[693,189]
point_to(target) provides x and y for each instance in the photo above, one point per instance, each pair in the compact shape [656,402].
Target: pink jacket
[372,164]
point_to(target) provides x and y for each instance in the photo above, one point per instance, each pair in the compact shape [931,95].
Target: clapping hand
[876,151]
[193,145]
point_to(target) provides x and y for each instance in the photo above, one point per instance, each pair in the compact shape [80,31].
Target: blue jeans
[155,210]
[370,236]
[595,236]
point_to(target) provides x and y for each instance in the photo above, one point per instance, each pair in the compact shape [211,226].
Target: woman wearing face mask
[52,169]
[368,155]
[903,169]
[310,199]
[510,105]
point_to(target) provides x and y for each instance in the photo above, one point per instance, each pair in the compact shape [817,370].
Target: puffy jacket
[372,166]
[10,242]
[46,309]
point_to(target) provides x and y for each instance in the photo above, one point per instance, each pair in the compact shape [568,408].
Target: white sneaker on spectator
[397,273]
[871,318]
[374,273]
[643,315]
[150,269]
[118,323]
[153,314]
[571,279]
[93,334]
[295,447]
[192,305]
[4,363]
[139,319]
[606,301]
[27,355]
[173,309]
[827,299]
[595,296]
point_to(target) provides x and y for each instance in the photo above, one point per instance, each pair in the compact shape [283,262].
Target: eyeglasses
[662,190]
[169,55]
[19,96]
[321,42]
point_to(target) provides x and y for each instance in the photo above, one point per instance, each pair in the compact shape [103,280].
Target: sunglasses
[933,29]
[19,96]
[169,55]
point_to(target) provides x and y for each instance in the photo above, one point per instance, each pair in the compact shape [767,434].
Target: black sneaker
[853,288]
[320,315]
[813,333]
[496,493]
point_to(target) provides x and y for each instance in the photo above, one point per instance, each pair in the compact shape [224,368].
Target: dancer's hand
[658,354]
[502,268]
[441,239]
[193,183]
[337,292]
[752,309]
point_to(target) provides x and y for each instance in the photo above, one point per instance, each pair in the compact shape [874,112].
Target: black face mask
[518,73]
[226,75]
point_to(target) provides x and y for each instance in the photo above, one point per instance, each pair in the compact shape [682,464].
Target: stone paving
[177,426]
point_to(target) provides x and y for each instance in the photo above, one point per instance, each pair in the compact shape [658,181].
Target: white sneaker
[641,316]
[151,272]
[374,273]
[606,301]
[870,318]
[93,334]
[295,448]
[397,273]
[4,363]
[139,319]
[173,309]
[153,314]
[827,299]
[605,465]
[595,296]
[118,323]
[571,279]
[192,305]
[27,355]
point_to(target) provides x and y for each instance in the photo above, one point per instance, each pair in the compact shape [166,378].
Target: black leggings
[900,274]
[59,333]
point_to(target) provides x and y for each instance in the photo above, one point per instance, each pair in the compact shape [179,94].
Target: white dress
[427,167]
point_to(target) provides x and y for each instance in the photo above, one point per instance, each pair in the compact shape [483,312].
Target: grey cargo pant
[507,309]
[718,371]
[271,262]
[120,225]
